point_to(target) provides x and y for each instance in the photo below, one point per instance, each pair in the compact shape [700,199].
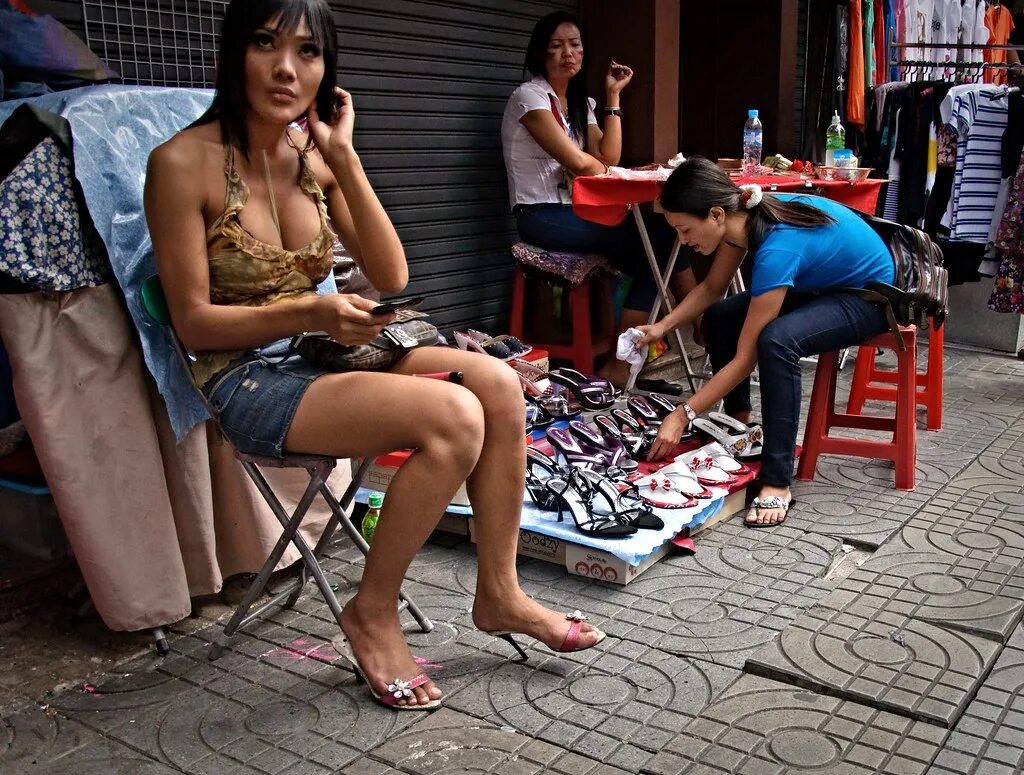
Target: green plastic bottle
[375,501]
[835,139]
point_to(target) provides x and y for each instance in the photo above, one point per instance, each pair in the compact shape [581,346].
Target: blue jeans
[807,325]
[557,227]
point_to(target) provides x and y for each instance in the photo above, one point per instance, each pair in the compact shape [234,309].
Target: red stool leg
[905,436]
[861,379]
[582,339]
[933,389]
[823,397]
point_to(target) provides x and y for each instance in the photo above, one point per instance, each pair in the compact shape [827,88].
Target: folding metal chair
[319,468]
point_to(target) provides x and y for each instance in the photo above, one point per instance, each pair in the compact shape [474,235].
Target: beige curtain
[151,522]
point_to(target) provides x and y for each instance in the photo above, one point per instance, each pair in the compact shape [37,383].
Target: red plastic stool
[929,384]
[584,344]
[822,415]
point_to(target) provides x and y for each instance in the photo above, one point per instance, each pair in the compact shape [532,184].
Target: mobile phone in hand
[326,99]
[393,305]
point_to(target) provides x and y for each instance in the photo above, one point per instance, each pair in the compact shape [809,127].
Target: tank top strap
[307,181]
[235,192]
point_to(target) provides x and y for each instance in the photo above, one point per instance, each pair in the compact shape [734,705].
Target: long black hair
[536,53]
[697,185]
[241,20]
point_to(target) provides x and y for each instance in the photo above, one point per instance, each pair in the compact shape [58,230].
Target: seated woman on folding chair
[799,246]
[237,206]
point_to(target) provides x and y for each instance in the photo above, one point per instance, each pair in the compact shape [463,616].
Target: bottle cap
[376,500]
[751,113]
[835,115]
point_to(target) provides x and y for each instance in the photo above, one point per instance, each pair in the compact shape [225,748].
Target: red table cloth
[604,199]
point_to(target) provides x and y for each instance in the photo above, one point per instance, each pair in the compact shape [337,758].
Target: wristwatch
[690,414]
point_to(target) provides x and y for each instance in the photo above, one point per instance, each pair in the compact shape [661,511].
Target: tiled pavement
[754,656]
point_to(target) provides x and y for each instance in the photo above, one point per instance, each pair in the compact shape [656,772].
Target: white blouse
[534,176]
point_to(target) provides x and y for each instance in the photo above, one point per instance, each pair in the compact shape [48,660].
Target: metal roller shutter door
[430,81]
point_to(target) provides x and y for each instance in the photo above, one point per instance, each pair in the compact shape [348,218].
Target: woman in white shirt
[549,134]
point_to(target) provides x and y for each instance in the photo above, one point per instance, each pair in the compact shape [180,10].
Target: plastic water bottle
[835,140]
[369,526]
[751,145]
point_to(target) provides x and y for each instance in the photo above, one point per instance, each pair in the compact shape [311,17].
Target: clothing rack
[921,69]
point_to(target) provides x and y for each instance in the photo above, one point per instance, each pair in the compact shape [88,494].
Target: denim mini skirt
[256,398]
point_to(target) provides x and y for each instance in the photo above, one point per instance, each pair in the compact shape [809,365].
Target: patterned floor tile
[989,738]
[450,742]
[760,727]
[880,658]
[979,596]
[34,737]
[980,517]
[740,589]
[865,517]
[620,709]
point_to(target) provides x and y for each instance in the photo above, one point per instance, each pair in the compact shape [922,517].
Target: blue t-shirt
[847,253]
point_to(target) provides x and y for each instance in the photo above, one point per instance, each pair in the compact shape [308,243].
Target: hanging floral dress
[1008,293]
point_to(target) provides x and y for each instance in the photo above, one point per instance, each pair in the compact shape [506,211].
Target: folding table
[607,199]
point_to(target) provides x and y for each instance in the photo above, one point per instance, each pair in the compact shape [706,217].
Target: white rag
[626,350]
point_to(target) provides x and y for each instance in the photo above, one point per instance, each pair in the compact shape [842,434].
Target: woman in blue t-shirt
[799,246]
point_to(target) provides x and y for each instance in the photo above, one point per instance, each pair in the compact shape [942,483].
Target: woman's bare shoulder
[188,153]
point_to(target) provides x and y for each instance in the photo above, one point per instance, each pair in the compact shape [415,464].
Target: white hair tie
[750,195]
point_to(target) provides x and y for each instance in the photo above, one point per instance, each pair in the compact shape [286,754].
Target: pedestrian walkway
[876,631]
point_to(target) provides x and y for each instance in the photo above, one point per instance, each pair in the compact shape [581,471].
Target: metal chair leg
[160,641]
[291,527]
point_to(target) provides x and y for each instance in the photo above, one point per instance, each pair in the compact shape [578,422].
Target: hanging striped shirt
[978,115]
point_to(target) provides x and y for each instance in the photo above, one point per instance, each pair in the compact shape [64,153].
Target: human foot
[561,632]
[383,658]
[770,507]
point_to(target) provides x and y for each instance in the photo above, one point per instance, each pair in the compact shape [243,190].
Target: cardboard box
[384,468]
[594,563]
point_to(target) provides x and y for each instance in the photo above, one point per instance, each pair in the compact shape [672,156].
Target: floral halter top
[247,272]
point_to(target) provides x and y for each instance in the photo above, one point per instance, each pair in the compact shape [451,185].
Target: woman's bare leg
[365,413]
[496,492]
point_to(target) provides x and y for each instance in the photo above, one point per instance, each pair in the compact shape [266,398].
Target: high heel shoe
[514,345]
[630,425]
[554,407]
[398,689]
[495,349]
[570,643]
[661,404]
[577,453]
[642,410]
[534,381]
[591,395]
[633,442]
[576,494]
[627,503]
[539,494]
[617,452]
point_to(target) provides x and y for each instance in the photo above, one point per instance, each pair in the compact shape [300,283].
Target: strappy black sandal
[576,494]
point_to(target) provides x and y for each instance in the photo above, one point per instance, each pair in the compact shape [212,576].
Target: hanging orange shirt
[855,83]
[999,21]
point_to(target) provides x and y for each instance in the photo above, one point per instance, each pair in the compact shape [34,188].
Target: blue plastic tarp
[114,129]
